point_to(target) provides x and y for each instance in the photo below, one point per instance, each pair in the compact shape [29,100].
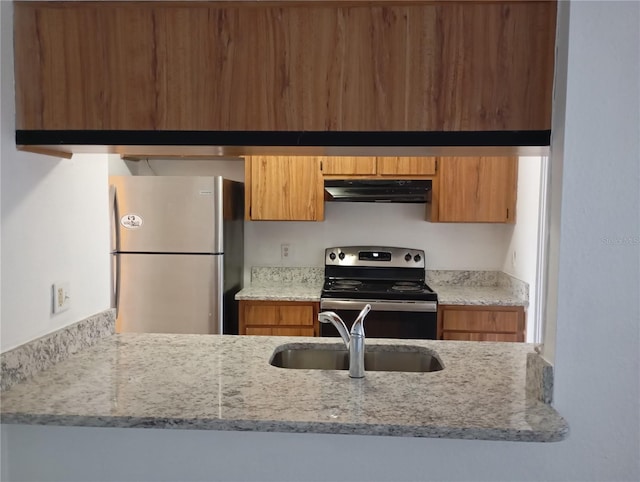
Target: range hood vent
[388,191]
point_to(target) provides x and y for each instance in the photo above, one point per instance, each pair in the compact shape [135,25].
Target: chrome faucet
[354,341]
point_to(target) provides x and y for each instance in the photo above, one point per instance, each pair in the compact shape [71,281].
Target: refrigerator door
[168,293]
[167,214]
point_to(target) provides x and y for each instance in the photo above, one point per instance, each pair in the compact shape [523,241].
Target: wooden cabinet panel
[477,189]
[282,318]
[376,167]
[481,323]
[285,66]
[296,315]
[276,331]
[257,330]
[348,165]
[407,166]
[292,331]
[266,314]
[467,336]
[283,188]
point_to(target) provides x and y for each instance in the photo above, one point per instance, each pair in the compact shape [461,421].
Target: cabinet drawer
[279,315]
[492,321]
[469,336]
[284,318]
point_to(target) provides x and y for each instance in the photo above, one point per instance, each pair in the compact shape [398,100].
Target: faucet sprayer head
[335,320]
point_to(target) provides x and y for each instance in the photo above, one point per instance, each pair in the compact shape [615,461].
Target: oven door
[387,319]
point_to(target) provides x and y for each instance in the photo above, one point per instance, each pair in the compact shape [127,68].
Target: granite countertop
[452,286]
[447,294]
[477,295]
[281,291]
[225,382]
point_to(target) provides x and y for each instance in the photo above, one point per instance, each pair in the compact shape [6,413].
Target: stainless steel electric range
[391,280]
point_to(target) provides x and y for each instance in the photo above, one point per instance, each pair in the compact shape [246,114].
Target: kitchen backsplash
[37,355]
[281,274]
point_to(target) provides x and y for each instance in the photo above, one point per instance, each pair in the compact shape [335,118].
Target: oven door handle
[378,305]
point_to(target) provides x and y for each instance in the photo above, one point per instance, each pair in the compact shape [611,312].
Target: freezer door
[168,293]
[167,214]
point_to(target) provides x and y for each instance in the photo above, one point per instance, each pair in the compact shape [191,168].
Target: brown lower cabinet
[481,323]
[284,318]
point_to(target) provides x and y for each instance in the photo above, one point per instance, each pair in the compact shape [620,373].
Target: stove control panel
[378,256]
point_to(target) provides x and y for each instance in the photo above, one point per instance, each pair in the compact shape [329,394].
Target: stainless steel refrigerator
[177,253]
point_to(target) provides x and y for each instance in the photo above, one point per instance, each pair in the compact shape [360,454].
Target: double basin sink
[382,358]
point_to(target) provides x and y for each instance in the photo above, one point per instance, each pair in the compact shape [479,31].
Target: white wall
[447,246]
[54,227]
[521,259]
[596,350]
[599,242]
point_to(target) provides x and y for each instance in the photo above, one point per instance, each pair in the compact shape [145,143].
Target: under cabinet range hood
[388,191]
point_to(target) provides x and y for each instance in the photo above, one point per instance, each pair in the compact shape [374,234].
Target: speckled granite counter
[226,383]
[490,288]
[477,295]
[447,294]
[281,291]
[283,284]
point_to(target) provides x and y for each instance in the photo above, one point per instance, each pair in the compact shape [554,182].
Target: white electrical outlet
[285,251]
[61,294]
[513,259]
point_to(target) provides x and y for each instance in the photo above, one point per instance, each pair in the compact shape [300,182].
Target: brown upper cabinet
[475,190]
[370,167]
[317,66]
[283,188]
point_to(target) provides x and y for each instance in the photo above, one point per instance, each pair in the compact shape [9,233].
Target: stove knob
[417,258]
[332,256]
[341,256]
[407,257]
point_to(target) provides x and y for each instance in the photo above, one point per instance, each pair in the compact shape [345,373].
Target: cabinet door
[481,323]
[284,188]
[407,166]
[477,189]
[285,66]
[348,165]
[480,320]
[279,318]
[295,315]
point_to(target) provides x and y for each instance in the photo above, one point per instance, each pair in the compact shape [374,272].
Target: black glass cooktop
[378,289]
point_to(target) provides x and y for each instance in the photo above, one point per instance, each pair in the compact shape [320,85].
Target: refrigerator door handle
[115,245]
[115,281]
[115,232]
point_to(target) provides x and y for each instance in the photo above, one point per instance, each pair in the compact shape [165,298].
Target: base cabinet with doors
[481,323]
[280,318]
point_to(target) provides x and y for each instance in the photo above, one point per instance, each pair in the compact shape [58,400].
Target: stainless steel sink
[381,358]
